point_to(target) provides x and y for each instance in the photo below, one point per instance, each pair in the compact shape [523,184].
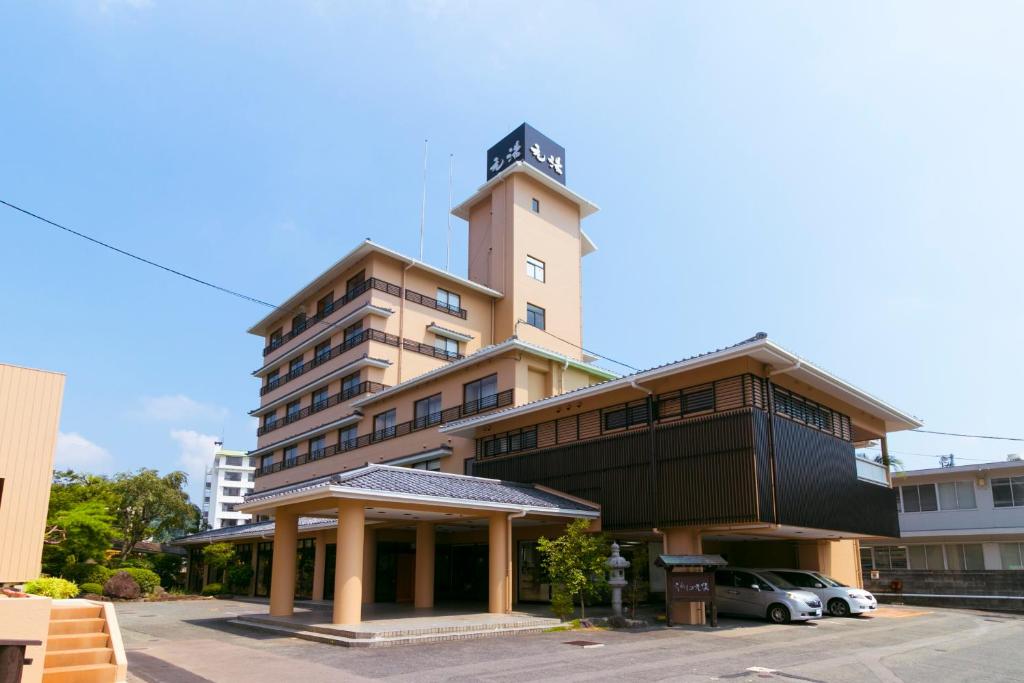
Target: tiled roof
[433,485]
[255,529]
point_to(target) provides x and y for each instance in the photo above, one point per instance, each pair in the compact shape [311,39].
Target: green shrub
[52,587]
[147,579]
[122,585]
[213,589]
[94,588]
[238,577]
[137,561]
[87,572]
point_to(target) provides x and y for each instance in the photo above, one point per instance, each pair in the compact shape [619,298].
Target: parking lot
[190,642]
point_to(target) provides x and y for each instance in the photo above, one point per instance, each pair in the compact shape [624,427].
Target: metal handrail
[333,400]
[431,302]
[349,343]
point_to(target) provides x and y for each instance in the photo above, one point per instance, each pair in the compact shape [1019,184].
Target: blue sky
[845,177]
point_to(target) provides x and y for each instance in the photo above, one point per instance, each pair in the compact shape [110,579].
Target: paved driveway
[189,642]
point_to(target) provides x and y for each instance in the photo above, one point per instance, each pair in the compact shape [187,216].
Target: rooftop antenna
[947,460]
[423,206]
[448,244]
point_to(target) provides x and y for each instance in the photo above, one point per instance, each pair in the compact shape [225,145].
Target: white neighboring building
[228,481]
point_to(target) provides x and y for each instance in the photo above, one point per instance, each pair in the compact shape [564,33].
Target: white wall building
[228,481]
[969,517]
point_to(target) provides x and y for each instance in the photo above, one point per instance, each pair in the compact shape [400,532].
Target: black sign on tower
[528,145]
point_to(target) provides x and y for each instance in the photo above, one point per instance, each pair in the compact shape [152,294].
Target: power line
[970,436]
[593,353]
[101,243]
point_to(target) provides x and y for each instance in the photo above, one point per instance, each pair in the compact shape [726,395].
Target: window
[1011,555]
[270,419]
[1008,492]
[966,556]
[325,305]
[295,367]
[350,385]
[316,447]
[535,316]
[267,461]
[347,437]
[232,476]
[323,351]
[384,425]
[290,454]
[276,336]
[227,507]
[298,323]
[535,268]
[320,399]
[890,557]
[956,495]
[293,409]
[272,377]
[427,411]
[620,418]
[233,461]
[926,557]
[449,300]
[354,283]
[476,394]
[535,205]
[428,465]
[232,492]
[698,400]
[449,346]
[919,498]
[352,333]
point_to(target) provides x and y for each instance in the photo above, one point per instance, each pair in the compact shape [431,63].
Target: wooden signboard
[689,579]
[691,587]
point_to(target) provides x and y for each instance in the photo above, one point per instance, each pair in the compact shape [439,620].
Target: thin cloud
[178,408]
[75,452]
[195,455]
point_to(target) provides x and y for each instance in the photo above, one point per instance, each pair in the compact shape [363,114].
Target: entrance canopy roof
[389,487]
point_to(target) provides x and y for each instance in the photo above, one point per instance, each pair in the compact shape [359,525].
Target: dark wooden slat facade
[713,469]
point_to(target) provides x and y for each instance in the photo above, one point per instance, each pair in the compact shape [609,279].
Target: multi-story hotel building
[229,480]
[385,382]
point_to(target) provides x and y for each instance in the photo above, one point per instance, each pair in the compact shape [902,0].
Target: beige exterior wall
[30,402]
[503,231]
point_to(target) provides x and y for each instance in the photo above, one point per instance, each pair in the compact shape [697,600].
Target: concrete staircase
[84,644]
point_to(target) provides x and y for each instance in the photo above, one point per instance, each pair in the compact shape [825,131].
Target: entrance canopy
[401,494]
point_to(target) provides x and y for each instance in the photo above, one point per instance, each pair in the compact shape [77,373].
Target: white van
[839,599]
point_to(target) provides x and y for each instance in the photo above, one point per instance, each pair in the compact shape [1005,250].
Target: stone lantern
[616,577]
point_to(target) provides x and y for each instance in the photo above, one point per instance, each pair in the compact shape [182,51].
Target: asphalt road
[188,642]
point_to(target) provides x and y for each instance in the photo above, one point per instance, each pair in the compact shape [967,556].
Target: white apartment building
[964,518]
[228,481]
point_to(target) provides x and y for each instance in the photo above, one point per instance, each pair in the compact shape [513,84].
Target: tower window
[535,316]
[535,268]
[535,205]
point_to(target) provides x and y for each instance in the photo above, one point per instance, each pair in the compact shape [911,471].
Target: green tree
[219,555]
[79,523]
[575,563]
[151,506]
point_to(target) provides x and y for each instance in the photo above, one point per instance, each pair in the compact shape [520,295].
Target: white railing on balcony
[868,470]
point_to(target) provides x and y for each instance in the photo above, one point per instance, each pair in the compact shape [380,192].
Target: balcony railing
[868,470]
[475,407]
[306,323]
[428,350]
[340,397]
[431,302]
[349,343]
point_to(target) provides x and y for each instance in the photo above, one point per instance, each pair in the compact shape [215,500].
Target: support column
[423,595]
[348,573]
[369,565]
[282,578]
[497,566]
[685,541]
[319,562]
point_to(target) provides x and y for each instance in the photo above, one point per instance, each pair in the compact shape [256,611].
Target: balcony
[710,454]
[350,295]
[431,302]
[869,470]
[349,343]
[340,397]
[492,402]
[428,350]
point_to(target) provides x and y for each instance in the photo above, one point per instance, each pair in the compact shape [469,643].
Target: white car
[839,599]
